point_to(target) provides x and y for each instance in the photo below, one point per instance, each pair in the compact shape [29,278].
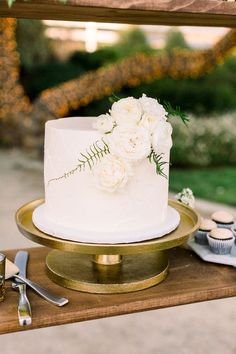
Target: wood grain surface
[190,280]
[168,12]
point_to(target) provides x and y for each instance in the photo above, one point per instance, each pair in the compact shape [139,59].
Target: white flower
[149,122]
[104,123]
[132,143]
[112,173]
[153,108]
[126,111]
[186,197]
[161,139]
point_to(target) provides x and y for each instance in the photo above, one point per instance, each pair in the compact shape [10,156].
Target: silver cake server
[24,309]
[45,294]
[12,272]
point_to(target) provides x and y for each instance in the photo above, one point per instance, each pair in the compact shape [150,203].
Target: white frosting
[77,202]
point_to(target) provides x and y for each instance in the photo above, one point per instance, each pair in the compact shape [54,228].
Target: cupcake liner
[225,226]
[220,246]
[234,232]
[201,237]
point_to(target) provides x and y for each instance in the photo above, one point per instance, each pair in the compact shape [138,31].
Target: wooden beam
[163,12]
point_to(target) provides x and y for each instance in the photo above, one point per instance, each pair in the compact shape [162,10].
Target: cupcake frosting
[222,217]
[207,225]
[221,234]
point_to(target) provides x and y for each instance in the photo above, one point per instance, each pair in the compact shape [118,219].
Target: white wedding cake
[106,178]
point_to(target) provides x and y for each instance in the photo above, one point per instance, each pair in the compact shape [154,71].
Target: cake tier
[78,203]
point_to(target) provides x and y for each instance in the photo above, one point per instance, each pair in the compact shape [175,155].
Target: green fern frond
[157,160]
[175,112]
[94,154]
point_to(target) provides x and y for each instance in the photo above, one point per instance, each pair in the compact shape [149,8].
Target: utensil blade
[21,260]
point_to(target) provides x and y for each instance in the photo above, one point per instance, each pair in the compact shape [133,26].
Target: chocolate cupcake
[223,219]
[220,240]
[205,227]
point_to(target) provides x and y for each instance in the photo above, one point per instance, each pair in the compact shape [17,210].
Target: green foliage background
[209,94]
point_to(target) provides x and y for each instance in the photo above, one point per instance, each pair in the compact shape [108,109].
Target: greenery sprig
[113,98]
[157,160]
[88,159]
[175,112]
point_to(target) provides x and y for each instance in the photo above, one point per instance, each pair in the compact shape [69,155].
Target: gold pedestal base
[82,272]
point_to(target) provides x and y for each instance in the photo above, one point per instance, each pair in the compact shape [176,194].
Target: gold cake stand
[108,268]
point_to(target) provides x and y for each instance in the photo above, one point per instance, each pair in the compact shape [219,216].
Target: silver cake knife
[24,309]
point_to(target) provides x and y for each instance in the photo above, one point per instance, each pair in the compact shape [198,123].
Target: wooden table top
[164,12]
[190,280]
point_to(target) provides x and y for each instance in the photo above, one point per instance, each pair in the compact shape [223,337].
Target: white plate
[41,221]
[207,255]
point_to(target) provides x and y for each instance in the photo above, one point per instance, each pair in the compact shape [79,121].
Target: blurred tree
[131,42]
[32,44]
[175,39]
[13,101]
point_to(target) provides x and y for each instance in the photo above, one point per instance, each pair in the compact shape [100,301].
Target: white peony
[161,139]
[126,111]
[112,173]
[104,123]
[132,142]
[153,108]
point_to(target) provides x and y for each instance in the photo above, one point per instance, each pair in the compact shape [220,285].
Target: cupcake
[205,227]
[223,219]
[220,240]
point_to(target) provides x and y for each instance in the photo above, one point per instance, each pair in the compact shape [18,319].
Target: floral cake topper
[133,130]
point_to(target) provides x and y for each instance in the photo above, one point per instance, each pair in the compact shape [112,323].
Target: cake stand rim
[25,225]
[50,228]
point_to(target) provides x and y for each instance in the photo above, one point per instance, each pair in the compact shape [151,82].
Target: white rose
[132,143]
[153,108]
[112,173]
[149,122]
[161,139]
[126,111]
[104,123]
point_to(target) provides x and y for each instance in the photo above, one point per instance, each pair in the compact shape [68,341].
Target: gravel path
[202,328]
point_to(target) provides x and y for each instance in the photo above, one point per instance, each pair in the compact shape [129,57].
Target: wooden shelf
[164,12]
[190,280]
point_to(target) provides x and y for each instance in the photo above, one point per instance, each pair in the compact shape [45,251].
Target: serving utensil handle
[54,299]
[24,310]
